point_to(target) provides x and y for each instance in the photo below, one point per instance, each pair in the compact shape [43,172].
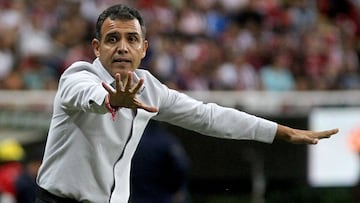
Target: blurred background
[292,61]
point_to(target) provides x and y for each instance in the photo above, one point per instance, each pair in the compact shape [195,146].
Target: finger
[146,107]
[129,81]
[334,131]
[124,81]
[108,88]
[118,83]
[149,108]
[138,86]
[307,139]
[314,141]
[327,133]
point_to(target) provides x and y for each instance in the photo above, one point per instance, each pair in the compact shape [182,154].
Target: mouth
[121,60]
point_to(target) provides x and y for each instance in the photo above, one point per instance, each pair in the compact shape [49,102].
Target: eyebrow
[117,33]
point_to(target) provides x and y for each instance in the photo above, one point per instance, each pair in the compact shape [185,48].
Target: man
[25,184]
[96,128]
[159,168]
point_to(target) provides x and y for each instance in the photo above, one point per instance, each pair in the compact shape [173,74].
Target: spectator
[159,168]
[11,154]
[277,76]
[25,183]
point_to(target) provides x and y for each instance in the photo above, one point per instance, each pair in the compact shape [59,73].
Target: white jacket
[88,155]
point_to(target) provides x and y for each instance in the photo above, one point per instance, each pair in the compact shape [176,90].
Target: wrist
[283,133]
[110,108]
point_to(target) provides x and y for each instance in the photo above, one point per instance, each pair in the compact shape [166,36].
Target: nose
[122,47]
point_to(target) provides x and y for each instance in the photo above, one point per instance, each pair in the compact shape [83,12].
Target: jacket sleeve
[212,119]
[81,89]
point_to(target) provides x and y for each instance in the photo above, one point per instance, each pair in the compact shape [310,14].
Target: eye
[112,39]
[133,38]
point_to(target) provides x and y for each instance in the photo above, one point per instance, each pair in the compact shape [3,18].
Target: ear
[96,46]
[145,46]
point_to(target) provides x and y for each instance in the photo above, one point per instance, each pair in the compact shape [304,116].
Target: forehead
[121,26]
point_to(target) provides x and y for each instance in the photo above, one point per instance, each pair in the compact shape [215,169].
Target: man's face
[122,46]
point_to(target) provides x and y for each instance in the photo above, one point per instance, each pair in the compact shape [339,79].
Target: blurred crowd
[273,45]
[19,164]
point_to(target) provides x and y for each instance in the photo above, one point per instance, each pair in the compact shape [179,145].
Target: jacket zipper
[122,155]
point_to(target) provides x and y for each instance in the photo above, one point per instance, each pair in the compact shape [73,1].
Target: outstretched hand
[297,136]
[124,95]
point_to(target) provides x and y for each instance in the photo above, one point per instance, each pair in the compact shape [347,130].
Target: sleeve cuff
[266,131]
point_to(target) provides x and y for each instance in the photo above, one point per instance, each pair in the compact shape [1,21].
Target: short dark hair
[119,12]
